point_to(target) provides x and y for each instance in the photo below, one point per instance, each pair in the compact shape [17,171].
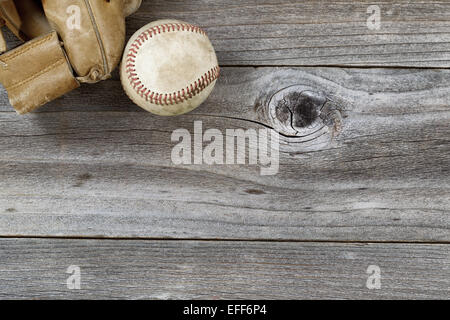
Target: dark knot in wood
[301,111]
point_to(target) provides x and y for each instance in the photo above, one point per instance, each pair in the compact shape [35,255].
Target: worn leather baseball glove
[66,42]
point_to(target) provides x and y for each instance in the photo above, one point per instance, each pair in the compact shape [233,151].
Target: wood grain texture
[92,164]
[314,32]
[374,166]
[36,268]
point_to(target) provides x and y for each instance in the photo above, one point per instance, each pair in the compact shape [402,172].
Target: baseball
[169,67]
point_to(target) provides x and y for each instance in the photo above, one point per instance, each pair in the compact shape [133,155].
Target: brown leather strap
[2,39]
[36,73]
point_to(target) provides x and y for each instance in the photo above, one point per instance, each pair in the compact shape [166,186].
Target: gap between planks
[225,240]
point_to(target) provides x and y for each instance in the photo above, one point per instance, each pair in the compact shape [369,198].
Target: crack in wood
[304,113]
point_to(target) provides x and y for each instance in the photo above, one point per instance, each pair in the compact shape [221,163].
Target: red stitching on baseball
[171,98]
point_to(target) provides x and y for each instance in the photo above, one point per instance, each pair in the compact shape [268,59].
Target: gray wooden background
[88,179]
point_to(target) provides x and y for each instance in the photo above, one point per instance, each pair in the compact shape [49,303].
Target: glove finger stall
[93,33]
[36,73]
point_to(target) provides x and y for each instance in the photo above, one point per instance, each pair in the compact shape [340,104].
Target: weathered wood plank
[91,164]
[313,32]
[36,268]
[285,32]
